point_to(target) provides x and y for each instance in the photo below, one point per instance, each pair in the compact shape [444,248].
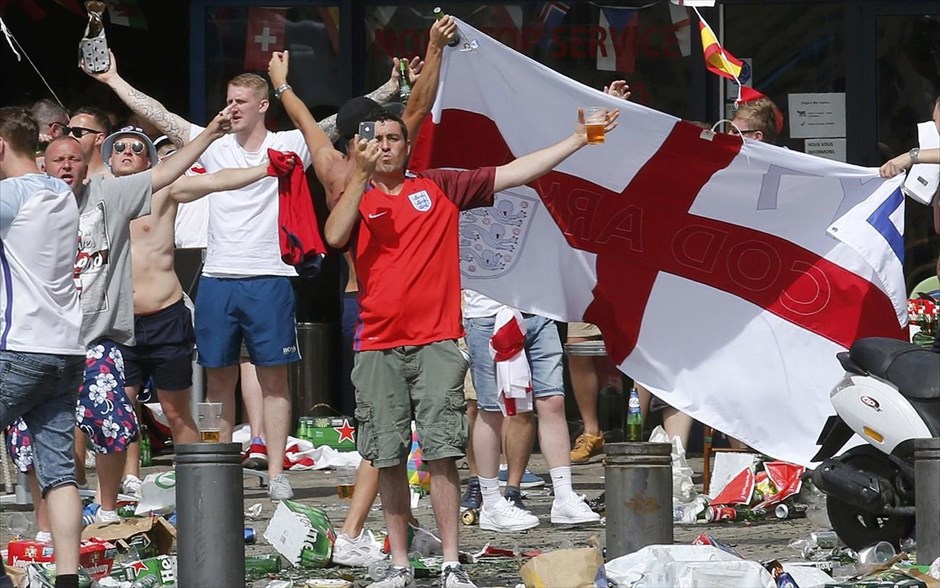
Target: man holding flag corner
[404,232]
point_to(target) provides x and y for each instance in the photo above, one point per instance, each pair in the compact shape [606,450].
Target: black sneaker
[473,496]
[515,498]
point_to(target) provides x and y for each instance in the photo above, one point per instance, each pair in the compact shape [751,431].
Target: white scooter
[890,395]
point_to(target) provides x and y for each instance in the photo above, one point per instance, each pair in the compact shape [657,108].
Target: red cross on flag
[265,35]
[705,262]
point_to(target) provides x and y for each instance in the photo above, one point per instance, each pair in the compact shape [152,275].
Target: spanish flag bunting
[717,59]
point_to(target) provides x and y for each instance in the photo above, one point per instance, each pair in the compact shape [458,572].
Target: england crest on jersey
[421,201]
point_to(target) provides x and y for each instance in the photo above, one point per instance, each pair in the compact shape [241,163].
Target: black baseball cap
[356,110]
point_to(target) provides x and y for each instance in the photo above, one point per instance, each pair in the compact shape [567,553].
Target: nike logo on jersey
[377,214]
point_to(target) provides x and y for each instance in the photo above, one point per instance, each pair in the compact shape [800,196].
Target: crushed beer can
[789,510]
[840,554]
[824,539]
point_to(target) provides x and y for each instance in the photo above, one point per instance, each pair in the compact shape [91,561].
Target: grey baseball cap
[108,146]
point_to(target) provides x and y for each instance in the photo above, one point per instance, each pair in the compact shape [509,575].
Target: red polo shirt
[407,257]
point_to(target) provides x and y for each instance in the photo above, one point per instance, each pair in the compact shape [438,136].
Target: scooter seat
[915,370]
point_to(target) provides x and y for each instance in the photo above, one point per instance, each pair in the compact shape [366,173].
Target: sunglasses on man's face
[137,147]
[79,132]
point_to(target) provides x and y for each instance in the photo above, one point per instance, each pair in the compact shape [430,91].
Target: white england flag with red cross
[705,262]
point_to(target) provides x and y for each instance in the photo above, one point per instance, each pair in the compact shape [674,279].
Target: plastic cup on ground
[877,553]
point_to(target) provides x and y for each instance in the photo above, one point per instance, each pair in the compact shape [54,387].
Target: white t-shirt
[192,219]
[476,305]
[243,233]
[39,306]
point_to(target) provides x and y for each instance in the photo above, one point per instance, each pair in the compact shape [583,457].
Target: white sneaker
[359,552]
[131,485]
[456,577]
[107,516]
[279,488]
[395,577]
[506,518]
[573,511]
[44,537]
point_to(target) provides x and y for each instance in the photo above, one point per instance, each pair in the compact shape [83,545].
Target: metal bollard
[638,496]
[926,482]
[210,515]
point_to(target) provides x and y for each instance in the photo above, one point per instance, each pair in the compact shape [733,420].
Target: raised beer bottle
[634,432]
[404,83]
[455,39]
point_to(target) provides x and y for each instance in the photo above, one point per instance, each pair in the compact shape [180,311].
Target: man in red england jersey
[404,233]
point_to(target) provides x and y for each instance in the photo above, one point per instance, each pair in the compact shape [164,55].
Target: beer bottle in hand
[404,83]
[454,40]
[634,432]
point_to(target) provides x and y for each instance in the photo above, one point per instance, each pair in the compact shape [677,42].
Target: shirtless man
[162,323]
[334,168]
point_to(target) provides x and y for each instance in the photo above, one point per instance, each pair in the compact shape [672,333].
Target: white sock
[561,483]
[489,487]
[449,564]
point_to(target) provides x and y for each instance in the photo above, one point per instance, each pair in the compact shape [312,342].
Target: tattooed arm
[175,127]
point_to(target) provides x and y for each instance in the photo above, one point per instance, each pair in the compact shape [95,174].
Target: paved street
[758,541]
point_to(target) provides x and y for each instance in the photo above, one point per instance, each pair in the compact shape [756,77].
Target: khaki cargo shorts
[583,331]
[390,382]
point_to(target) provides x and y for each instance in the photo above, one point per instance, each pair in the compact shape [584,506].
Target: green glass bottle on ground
[146,455]
[267,563]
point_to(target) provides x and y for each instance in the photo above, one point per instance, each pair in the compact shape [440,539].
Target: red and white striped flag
[705,261]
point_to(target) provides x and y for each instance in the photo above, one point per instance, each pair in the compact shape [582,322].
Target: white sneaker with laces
[456,577]
[395,577]
[359,552]
[107,516]
[132,484]
[573,511]
[506,518]
[279,488]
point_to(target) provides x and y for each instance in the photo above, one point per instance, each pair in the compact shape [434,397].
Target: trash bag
[683,489]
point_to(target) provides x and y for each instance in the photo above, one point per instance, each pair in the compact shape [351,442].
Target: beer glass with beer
[594,119]
[210,417]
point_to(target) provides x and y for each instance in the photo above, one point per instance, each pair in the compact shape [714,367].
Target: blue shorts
[41,389]
[105,413]
[542,347]
[260,310]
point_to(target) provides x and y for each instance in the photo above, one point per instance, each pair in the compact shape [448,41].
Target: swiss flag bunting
[265,35]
